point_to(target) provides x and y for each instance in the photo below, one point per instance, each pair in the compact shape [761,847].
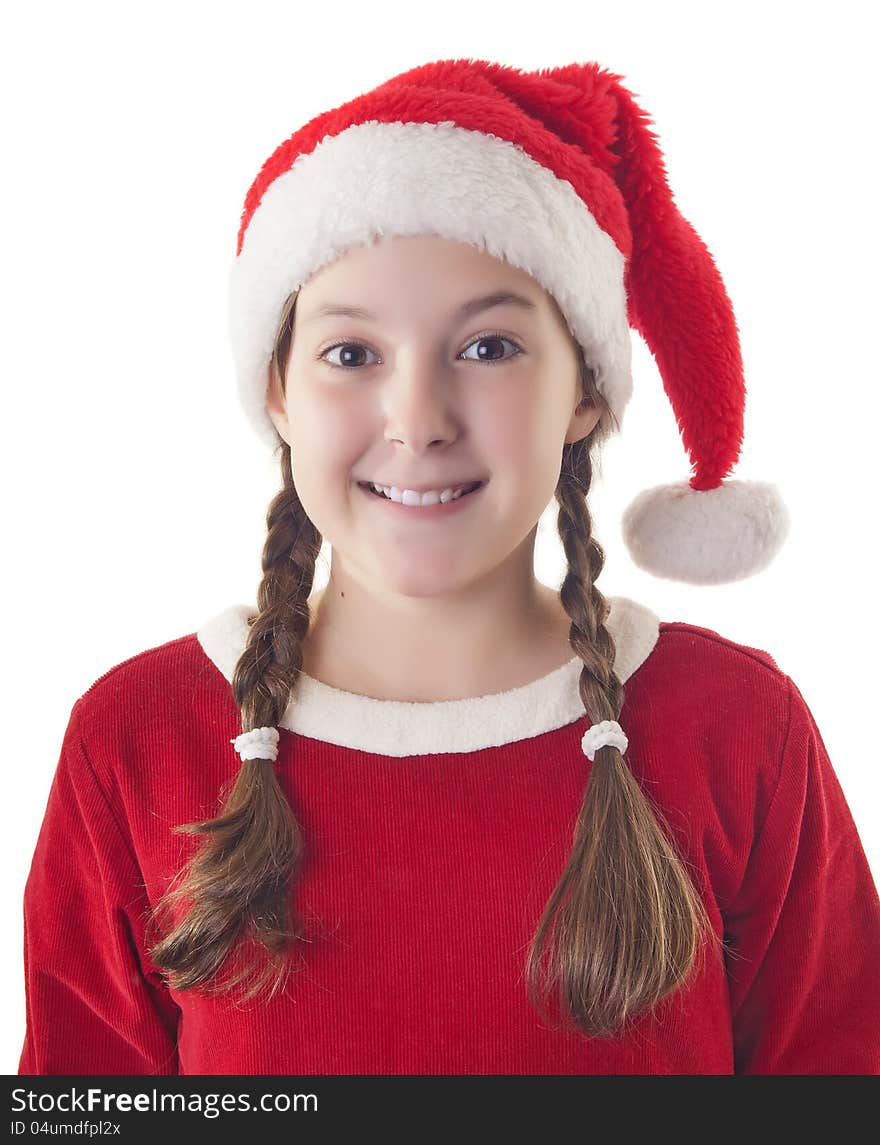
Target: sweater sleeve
[93,1004]
[805,926]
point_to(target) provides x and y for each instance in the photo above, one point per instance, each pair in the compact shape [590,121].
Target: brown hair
[624,926]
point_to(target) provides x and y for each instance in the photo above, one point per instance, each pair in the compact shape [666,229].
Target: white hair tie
[608,733]
[260,743]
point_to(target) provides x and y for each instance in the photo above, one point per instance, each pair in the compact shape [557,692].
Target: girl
[467,825]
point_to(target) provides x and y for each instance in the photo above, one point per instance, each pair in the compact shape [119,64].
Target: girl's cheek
[322,411]
[503,435]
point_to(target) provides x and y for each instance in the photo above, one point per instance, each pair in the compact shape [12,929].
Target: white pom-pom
[709,536]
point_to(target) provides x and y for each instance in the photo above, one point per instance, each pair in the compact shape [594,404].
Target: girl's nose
[419,406]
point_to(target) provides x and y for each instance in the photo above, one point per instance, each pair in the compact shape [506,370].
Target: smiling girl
[467,824]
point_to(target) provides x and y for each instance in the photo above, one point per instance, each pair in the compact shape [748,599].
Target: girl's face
[425,388]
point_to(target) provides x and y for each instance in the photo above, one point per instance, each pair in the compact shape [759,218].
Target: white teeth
[410,497]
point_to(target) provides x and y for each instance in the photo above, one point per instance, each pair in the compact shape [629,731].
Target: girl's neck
[433,667]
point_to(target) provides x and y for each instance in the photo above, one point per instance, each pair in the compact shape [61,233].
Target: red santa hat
[556,172]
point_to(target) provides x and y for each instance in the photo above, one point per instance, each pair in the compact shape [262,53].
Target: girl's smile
[407,506]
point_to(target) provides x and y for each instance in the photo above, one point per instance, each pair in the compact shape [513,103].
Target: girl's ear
[276,406]
[583,421]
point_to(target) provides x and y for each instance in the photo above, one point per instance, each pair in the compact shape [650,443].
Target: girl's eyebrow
[466,310]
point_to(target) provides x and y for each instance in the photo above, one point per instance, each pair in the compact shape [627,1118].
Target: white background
[134,491]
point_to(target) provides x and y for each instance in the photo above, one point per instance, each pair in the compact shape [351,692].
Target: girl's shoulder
[682,638]
[721,690]
[170,679]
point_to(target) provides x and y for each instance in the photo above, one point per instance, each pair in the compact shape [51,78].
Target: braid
[240,882]
[271,662]
[623,927]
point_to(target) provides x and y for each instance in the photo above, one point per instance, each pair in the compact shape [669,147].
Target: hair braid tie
[260,743]
[608,733]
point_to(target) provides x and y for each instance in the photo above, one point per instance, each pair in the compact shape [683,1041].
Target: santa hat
[556,172]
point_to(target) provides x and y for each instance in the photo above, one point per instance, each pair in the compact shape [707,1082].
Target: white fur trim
[411,178]
[401,728]
[710,536]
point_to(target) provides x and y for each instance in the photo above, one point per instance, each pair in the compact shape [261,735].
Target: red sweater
[435,834]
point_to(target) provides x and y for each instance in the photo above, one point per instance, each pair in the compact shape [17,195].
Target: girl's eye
[350,352]
[489,339]
[348,349]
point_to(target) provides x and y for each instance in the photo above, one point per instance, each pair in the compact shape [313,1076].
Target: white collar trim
[402,727]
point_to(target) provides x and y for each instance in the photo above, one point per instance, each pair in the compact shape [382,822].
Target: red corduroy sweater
[429,863]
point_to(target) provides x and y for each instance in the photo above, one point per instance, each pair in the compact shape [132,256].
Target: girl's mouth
[425,512]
